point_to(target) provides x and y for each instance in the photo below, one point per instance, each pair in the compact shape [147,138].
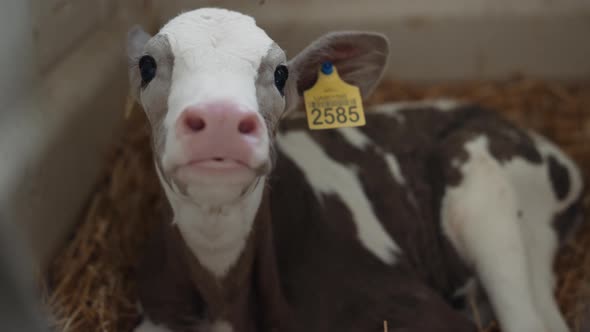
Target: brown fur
[176,291]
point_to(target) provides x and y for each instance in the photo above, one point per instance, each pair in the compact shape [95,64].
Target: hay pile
[91,281]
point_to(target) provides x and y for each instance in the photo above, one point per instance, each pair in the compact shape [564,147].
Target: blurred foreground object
[19,306]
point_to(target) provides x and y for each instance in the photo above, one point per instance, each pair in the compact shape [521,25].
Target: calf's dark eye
[281,75]
[147,69]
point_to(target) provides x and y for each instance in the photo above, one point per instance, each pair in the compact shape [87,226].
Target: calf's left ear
[360,58]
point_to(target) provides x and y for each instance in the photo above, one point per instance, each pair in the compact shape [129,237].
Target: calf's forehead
[216,40]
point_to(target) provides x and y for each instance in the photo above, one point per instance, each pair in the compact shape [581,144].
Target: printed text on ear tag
[333,103]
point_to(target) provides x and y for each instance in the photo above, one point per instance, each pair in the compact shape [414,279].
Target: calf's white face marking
[217,58]
[330,177]
[210,65]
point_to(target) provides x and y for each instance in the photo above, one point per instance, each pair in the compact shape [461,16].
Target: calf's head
[214,85]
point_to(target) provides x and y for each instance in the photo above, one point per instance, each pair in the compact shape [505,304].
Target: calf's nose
[219,119]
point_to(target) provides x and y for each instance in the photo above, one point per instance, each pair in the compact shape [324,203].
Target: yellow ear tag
[333,103]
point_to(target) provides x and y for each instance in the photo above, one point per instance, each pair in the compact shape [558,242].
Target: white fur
[147,326]
[217,54]
[216,235]
[393,108]
[217,238]
[539,205]
[394,168]
[329,177]
[355,137]
[479,216]
[467,289]
[513,258]
[221,326]
[547,148]
[359,140]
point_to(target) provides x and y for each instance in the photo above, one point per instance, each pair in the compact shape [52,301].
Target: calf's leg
[541,206]
[542,244]
[479,215]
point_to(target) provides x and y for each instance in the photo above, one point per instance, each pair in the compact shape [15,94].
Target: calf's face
[214,85]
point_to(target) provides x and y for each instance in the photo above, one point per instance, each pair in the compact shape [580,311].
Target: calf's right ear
[137,38]
[360,58]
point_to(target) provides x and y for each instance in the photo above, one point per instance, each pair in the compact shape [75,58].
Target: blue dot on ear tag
[327,68]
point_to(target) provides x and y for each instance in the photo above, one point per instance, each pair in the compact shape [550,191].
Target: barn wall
[438,40]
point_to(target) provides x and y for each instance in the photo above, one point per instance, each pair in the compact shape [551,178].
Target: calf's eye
[281,75]
[147,69]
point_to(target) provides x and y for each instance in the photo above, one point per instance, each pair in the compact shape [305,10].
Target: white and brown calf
[398,220]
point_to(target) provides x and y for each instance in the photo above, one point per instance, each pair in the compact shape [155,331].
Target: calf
[395,221]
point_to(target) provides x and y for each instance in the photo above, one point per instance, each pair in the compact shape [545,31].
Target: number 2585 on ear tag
[333,103]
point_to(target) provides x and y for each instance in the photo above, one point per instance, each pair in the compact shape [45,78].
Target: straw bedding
[90,284]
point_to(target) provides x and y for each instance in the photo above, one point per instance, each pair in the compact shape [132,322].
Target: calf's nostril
[247,126]
[195,123]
